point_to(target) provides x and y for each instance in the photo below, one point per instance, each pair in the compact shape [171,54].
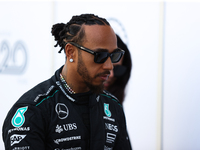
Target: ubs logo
[13,60]
[62,110]
[66,127]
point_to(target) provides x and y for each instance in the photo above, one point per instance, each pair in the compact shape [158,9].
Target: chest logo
[66,127]
[62,110]
[16,138]
[106,110]
[19,119]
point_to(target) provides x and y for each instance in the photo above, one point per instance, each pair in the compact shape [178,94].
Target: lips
[104,77]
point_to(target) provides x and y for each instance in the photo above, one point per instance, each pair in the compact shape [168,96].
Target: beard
[88,80]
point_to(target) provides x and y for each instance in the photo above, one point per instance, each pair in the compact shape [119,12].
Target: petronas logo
[19,119]
[106,110]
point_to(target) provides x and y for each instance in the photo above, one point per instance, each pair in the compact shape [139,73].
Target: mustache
[103,73]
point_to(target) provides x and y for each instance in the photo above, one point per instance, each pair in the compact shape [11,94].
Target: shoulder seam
[47,98]
[41,97]
[109,96]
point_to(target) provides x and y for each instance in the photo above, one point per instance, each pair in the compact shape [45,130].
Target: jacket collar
[93,98]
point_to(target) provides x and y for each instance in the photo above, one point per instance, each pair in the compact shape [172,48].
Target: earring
[71,60]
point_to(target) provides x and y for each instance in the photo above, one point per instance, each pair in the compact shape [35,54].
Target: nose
[108,65]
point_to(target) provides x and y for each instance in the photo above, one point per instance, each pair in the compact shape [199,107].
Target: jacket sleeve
[123,141]
[24,128]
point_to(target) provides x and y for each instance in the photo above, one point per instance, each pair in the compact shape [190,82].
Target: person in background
[120,75]
[70,110]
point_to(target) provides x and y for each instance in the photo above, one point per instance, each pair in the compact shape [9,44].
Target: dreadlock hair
[72,31]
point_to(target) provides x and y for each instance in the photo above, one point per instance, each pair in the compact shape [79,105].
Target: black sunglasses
[101,57]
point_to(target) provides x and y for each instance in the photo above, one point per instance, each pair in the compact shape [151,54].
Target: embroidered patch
[19,118]
[106,110]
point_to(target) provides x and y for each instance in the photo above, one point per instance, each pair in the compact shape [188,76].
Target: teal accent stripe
[47,98]
[106,95]
[112,99]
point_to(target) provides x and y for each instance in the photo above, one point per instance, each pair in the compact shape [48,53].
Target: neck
[73,80]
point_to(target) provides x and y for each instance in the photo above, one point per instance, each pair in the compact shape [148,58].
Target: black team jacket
[48,117]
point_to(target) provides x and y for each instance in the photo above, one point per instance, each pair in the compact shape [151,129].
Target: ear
[70,51]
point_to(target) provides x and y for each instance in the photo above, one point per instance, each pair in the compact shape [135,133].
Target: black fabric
[83,109]
[48,117]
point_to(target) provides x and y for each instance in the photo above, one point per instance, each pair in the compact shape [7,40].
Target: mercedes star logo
[62,110]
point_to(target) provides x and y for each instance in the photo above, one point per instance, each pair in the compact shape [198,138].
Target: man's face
[97,38]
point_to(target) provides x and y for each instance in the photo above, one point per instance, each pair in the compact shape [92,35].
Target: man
[70,111]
